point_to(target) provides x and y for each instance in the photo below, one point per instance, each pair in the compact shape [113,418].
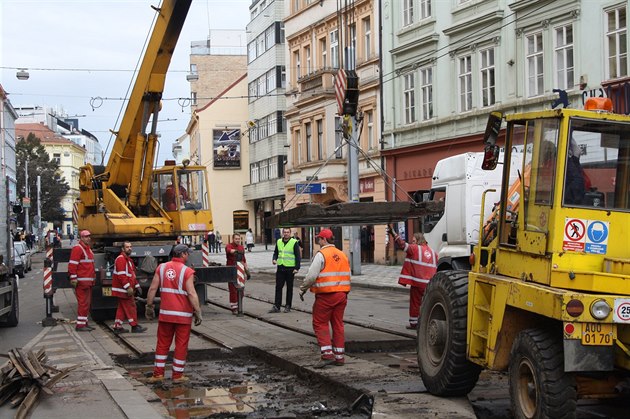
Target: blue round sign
[597,232]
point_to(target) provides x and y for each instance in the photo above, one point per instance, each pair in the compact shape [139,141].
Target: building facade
[8,179]
[267,129]
[320,39]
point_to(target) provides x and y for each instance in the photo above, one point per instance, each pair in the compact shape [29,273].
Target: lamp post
[26,204]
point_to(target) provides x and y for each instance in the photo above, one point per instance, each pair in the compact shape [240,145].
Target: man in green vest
[287,256]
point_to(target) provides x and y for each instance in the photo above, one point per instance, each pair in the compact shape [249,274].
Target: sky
[75,50]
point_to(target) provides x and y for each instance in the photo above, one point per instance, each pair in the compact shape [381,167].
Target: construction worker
[178,306]
[124,286]
[235,252]
[287,257]
[82,274]
[329,279]
[419,267]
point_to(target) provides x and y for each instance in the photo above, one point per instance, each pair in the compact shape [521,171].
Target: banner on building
[226,148]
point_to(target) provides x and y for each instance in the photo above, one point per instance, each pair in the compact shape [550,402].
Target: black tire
[444,368]
[539,387]
[13,318]
[20,273]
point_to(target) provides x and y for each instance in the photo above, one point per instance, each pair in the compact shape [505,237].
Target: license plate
[597,334]
[107,291]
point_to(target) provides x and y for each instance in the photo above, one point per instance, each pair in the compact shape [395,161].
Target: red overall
[331,296]
[81,268]
[231,261]
[124,278]
[419,267]
[175,317]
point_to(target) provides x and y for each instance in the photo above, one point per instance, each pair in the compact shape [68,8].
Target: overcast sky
[65,37]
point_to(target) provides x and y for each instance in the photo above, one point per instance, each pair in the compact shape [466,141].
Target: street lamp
[22,74]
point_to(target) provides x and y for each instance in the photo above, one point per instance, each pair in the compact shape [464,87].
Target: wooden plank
[18,366]
[27,363]
[28,403]
[9,389]
[61,375]
[36,363]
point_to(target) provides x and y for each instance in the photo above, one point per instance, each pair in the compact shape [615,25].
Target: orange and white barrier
[205,255]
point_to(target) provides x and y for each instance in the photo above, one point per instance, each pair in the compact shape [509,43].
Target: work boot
[339,362]
[235,311]
[287,309]
[155,379]
[274,309]
[411,326]
[180,380]
[138,329]
[119,330]
[324,362]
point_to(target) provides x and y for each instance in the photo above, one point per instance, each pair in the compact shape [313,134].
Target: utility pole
[27,206]
[39,209]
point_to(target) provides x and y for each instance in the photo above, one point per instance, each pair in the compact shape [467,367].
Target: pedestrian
[82,274]
[329,279]
[212,240]
[234,252]
[249,239]
[219,240]
[124,286]
[29,241]
[71,237]
[178,307]
[299,241]
[419,267]
[287,257]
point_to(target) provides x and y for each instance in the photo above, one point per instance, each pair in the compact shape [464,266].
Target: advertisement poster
[226,147]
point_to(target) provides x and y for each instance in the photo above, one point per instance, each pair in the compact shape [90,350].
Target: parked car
[25,254]
[18,265]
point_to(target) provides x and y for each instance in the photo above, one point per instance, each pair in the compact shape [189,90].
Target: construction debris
[24,376]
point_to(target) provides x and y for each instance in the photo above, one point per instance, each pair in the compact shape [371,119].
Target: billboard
[226,146]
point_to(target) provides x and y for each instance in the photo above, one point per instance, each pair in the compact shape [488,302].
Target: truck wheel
[13,318]
[444,368]
[539,387]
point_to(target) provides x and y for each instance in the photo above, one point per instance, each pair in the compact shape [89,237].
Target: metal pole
[353,196]
[40,238]
[26,223]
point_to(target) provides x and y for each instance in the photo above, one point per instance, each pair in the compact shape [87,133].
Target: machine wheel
[444,368]
[539,387]
[13,318]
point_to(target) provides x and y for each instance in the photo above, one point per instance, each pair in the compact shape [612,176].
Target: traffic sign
[313,188]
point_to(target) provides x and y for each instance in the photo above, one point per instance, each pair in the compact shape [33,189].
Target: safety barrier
[205,254]
[48,288]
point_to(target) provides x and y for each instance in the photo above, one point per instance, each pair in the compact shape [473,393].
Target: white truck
[459,181]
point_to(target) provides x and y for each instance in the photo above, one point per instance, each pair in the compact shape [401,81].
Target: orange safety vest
[419,267]
[335,277]
[174,306]
[124,276]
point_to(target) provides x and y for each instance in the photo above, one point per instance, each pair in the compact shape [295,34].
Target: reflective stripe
[126,286]
[178,369]
[417,262]
[85,279]
[173,291]
[122,273]
[327,348]
[175,313]
[414,279]
[73,262]
[160,356]
[179,361]
[338,350]
[73,276]
[119,290]
[325,274]
[330,284]
[160,364]
[86,260]
[82,317]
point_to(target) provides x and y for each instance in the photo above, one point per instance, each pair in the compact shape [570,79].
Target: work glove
[302,295]
[149,312]
[74,283]
[198,317]
[130,292]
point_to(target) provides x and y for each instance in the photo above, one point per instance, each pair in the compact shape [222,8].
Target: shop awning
[352,213]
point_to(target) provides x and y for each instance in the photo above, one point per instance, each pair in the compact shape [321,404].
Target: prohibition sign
[574,230]
[623,311]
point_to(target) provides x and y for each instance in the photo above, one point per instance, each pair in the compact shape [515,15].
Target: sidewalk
[372,275]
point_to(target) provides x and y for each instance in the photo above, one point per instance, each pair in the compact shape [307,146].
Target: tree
[53,186]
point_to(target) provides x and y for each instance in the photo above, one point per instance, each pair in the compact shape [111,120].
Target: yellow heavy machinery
[548,296]
[129,199]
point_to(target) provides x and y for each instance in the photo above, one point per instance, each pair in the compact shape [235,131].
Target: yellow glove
[130,292]
[74,283]
[149,312]
[198,317]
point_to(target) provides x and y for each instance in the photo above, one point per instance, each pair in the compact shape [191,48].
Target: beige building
[216,141]
[316,42]
[68,155]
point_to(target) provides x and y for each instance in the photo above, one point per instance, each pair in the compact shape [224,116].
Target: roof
[41,131]
[353,213]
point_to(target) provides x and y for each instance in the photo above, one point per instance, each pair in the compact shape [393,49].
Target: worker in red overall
[124,286]
[179,304]
[329,279]
[235,252]
[82,273]
[419,267]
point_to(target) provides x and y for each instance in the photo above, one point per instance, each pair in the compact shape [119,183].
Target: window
[369,117]
[264,170]
[270,36]
[57,158]
[338,138]
[322,48]
[296,61]
[426,85]
[465,83]
[272,123]
[407,12]
[616,43]
[283,77]
[263,131]
[367,33]
[320,139]
[425,9]
[564,57]
[262,86]
[409,98]
[271,80]
[273,169]
[488,97]
[254,173]
[334,49]
[296,5]
[252,91]
[261,45]
[307,129]
[298,141]
[352,50]
[534,69]
[307,55]
[251,51]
